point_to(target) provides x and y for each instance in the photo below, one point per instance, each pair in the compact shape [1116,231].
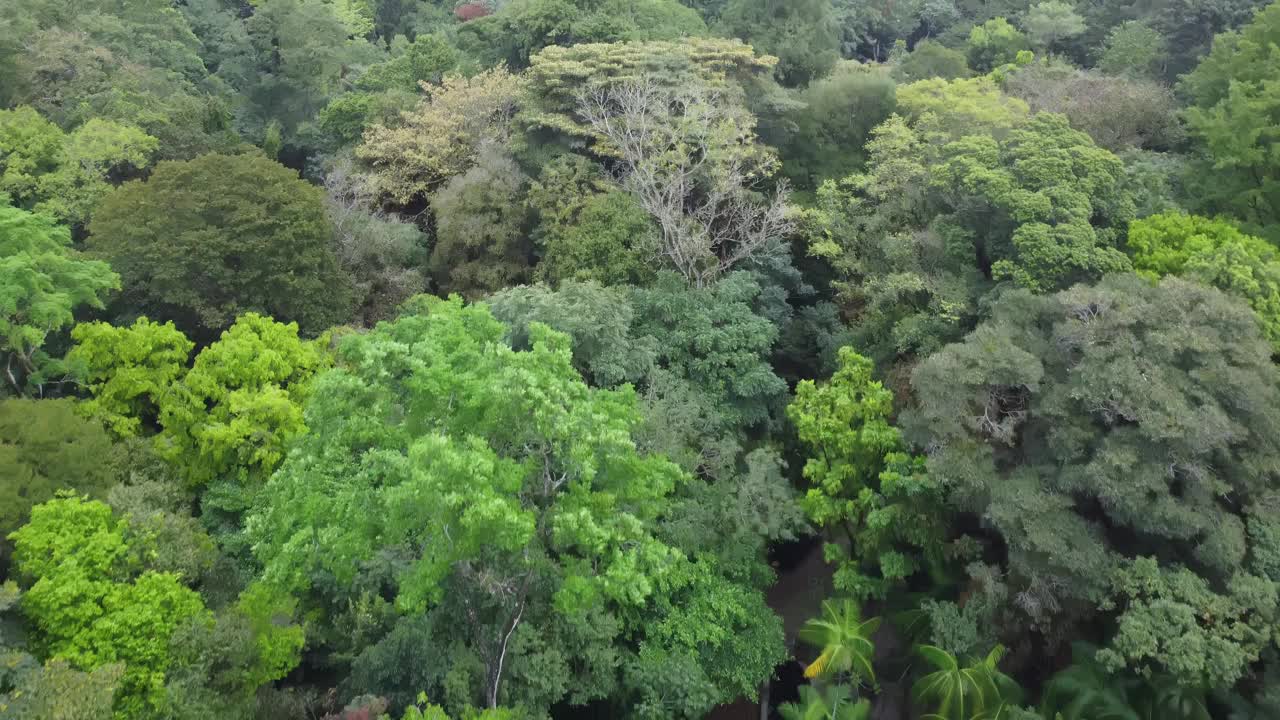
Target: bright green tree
[1045,208]
[994,43]
[67,175]
[230,421]
[843,639]
[524,505]
[863,481]
[128,371]
[43,281]
[204,241]
[86,606]
[1216,253]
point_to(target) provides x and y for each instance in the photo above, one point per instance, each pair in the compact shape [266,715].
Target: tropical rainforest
[639,359]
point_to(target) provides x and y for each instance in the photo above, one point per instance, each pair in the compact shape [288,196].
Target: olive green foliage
[918,237]
[957,108]
[481,242]
[201,242]
[1133,49]
[1216,253]
[1163,630]
[385,255]
[588,228]
[558,75]
[134,63]
[1157,181]
[1233,121]
[1051,22]
[930,59]
[802,34]
[1086,689]
[43,281]
[994,43]
[66,175]
[386,89]
[55,689]
[1129,406]
[503,470]
[288,63]
[843,640]
[597,319]
[965,692]
[91,609]
[715,340]
[442,137]
[45,447]
[1117,112]
[891,271]
[863,482]
[834,123]
[521,28]
[870,29]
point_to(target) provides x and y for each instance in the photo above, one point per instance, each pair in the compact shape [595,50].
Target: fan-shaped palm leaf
[844,641]
[833,703]
[978,691]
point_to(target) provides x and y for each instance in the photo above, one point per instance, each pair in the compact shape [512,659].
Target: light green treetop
[42,282]
[1216,253]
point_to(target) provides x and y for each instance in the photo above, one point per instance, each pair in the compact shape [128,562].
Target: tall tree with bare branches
[694,164]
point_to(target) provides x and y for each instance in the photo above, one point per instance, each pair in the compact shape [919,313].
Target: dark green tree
[204,241]
[1120,468]
[802,34]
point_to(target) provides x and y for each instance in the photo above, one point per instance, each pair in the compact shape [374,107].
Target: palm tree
[833,703]
[1088,691]
[978,691]
[844,639]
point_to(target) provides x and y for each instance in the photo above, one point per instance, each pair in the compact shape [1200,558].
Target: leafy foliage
[204,241]
[554,490]
[802,34]
[1232,118]
[47,447]
[863,482]
[89,614]
[1216,253]
[1089,379]
[43,281]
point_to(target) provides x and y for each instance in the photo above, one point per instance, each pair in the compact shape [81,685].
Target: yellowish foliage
[440,138]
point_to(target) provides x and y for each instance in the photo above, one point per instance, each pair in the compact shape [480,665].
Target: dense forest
[639,359]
